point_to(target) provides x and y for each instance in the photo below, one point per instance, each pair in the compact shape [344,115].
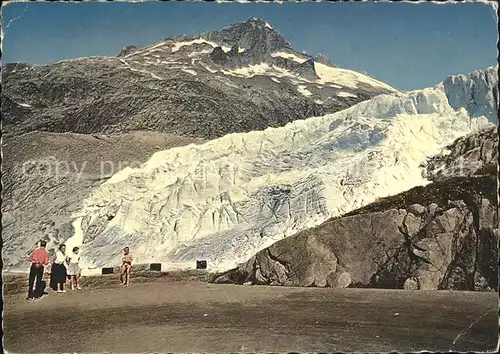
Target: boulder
[412,284]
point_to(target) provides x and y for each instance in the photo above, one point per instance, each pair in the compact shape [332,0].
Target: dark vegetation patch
[456,188]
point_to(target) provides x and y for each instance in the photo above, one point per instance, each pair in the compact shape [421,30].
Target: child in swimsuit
[126,266]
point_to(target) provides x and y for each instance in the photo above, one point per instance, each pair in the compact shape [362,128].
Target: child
[126,266]
[74,269]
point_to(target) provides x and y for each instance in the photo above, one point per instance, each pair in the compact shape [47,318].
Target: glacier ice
[227,199]
[476,92]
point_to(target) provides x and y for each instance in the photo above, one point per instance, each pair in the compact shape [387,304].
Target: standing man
[38,259]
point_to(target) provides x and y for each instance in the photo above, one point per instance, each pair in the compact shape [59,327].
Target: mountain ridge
[188,86]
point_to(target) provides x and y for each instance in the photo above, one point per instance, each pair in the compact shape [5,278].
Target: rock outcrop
[440,236]
[323,59]
[468,156]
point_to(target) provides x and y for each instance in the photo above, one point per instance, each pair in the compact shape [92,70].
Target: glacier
[225,200]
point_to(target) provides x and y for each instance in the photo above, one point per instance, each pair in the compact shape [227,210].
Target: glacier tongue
[227,199]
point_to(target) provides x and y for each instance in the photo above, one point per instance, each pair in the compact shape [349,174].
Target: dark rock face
[90,97]
[441,236]
[323,59]
[255,35]
[306,69]
[219,56]
[128,49]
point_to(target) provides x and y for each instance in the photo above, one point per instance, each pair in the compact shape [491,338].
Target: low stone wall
[147,267]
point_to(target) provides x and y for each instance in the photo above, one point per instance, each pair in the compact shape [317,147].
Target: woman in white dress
[58,270]
[74,269]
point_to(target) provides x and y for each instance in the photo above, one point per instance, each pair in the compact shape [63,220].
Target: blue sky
[409,46]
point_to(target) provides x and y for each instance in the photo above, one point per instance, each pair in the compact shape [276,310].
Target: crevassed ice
[227,199]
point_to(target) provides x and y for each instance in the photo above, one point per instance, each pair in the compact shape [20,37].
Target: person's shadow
[41,292]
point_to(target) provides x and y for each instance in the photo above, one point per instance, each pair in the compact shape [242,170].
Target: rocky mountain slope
[228,198]
[243,78]
[441,236]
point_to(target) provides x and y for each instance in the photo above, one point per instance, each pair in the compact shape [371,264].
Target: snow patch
[276,80]
[263,69]
[345,77]
[331,77]
[249,71]
[147,49]
[151,49]
[303,90]
[189,71]
[345,94]
[198,53]
[179,45]
[24,105]
[170,62]
[143,71]
[290,56]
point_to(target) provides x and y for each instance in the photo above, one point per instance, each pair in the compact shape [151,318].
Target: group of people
[64,267]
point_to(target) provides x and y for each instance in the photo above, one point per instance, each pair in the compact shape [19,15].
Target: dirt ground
[165,316]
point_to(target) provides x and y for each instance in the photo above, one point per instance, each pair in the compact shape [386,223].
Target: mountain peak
[256,35]
[259,22]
